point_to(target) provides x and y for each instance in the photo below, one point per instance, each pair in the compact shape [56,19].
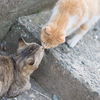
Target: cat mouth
[42,47]
[45,47]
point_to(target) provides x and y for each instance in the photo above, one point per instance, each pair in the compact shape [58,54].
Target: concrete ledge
[70,74]
[10,10]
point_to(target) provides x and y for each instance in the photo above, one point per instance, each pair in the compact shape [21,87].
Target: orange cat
[67,16]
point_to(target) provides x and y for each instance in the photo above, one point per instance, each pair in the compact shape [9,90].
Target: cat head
[51,36]
[28,56]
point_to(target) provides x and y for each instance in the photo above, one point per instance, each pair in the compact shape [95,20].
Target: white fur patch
[27,86]
[72,42]
[71,23]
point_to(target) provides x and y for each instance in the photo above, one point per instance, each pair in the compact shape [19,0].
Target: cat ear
[61,38]
[48,30]
[30,61]
[21,42]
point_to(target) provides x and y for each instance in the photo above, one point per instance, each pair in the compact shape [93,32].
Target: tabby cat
[67,16]
[16,69]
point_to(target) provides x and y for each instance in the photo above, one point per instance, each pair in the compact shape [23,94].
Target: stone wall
[10,10]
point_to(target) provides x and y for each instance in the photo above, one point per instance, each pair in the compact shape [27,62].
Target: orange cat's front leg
[82,31]
[74,40]
[27,86]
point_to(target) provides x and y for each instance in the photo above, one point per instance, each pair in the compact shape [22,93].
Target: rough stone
[55,97]
[79,80]
[10,10]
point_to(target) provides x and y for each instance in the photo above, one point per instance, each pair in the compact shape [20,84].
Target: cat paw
[28,86]
[71,43]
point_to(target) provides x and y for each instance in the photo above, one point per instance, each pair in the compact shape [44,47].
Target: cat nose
[42,47]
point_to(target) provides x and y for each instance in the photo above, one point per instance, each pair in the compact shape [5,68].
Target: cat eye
[31,61]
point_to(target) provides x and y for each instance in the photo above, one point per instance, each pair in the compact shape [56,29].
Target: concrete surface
[70,74]
[10,10]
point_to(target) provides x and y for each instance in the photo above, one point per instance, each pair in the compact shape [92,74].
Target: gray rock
[73,67]
[96,93]
[95,28]
[68,63]
[55,97]
[65,49]
[41,26]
